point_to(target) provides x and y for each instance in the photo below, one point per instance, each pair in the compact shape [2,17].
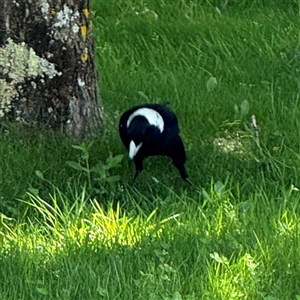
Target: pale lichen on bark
[18,63]
[47,72]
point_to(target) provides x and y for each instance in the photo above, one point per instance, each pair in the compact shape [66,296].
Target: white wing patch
[153,117]
[133,149]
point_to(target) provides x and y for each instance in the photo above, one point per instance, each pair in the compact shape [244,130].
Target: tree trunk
[47,69]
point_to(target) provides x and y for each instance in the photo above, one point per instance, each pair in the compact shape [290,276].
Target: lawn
[72,226]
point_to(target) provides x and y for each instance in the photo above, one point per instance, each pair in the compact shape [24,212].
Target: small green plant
[242,110]
[102,170]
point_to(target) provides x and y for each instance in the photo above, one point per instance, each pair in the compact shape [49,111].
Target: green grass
[72,226]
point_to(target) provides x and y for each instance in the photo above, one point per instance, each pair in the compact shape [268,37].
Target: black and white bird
[152,129]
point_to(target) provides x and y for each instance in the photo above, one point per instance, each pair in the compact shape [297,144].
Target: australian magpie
[152,129]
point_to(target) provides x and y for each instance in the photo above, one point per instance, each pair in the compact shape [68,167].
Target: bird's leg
[180,166]
[135,176]
[183,173]
[138,167]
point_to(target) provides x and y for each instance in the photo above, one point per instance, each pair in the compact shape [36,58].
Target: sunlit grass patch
[60,222]
[240,137]
[237,142]
[233,278]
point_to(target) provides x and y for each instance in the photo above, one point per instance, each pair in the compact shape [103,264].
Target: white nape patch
[133,149]
[153,117]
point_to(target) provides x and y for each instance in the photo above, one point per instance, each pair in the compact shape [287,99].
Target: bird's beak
[133,149]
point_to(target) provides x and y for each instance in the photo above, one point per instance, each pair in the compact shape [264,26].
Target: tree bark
[47,69]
